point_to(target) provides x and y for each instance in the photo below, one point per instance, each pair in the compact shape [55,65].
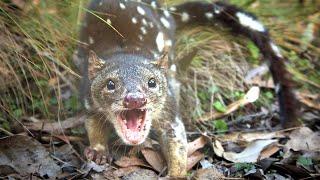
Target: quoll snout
[135,100]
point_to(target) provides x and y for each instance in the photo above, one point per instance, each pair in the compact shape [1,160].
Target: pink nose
[134,100]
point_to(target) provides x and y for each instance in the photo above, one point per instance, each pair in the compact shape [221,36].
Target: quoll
[126,60]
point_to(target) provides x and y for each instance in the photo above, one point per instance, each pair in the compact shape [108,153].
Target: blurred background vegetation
[39,81]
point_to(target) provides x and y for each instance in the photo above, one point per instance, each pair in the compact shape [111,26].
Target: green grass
[38,45]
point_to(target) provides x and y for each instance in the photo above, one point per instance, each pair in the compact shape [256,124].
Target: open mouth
[133,124]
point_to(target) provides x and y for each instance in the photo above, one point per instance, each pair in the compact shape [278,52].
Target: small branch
[56,126]
[251,96]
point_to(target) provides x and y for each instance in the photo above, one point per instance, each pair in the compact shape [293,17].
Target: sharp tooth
[125,121]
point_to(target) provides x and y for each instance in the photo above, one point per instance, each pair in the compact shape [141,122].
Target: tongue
[132,120]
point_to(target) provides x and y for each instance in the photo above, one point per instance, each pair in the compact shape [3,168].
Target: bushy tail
[244,23]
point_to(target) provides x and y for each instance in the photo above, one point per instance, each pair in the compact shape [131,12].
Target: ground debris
[26,156]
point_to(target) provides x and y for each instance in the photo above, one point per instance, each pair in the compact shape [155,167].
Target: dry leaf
[125,171]
[269,151]
[154,158]
[309,100]
[194,158]
[218,148]
[142,174]
[294,171]
[249,137]
[196,144]
[304,139]
[19,3]
[209,174]
[25,155]
[250,154]
[130,161]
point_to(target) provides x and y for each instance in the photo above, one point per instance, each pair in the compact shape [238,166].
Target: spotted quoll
[125,58]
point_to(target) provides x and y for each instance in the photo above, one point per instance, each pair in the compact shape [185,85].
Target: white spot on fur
[168,43]
[122,6]
[209,15]
[185,17]
[172,8]
[151,24]
[154,4]
[248,21]
[156,55]
[160,41]
[169,92]
[143,30]
[141,10]
[144,21]
[217,9]
[173,68]
[86,104]
[91,40]
[165,22]
[166,13]
[276,49]
[277,88]
[100,3]
[140,37]
[134,20]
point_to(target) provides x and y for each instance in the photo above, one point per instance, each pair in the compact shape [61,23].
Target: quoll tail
[244,23]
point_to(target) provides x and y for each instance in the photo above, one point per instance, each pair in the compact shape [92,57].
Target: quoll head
[129,90]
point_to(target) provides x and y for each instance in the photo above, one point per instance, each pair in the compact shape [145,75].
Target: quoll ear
[163,61]
[95,64]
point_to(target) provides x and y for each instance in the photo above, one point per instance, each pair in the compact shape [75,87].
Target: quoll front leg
[98,133]
[173,142]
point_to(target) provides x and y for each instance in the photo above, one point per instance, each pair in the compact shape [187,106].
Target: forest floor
[41,119]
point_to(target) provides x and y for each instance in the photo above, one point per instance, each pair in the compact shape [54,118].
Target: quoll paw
[99,157]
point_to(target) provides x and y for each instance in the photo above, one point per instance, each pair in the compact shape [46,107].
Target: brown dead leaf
[125,171]
[130,161]
[312,101]
[196,144]
[249,137]
[294,171]
[25,156]
[258,81]
[57,127]
[19,3]
[141,174]
[304,139]
[194,158]
[269,151]
[209,174]
[154,158]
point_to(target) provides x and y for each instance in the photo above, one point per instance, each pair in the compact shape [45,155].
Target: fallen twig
[56,127]
[251,96]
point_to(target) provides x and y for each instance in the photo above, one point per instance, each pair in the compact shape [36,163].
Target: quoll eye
[152,83]
[111,85]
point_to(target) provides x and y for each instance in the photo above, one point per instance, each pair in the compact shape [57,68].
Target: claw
[99,157]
